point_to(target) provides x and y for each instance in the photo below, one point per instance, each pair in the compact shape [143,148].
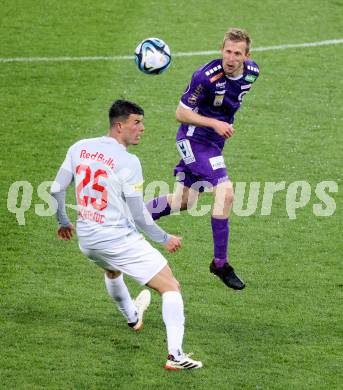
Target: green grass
[58,327]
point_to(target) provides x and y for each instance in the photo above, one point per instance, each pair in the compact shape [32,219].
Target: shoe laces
[181,357]
[187,355]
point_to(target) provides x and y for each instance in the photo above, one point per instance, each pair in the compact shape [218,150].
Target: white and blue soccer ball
[152,56]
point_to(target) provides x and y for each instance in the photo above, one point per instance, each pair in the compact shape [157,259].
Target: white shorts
[133,256]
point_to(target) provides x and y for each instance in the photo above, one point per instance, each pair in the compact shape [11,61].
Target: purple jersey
[213,94]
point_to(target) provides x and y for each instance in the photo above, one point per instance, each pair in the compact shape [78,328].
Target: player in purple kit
[206,113]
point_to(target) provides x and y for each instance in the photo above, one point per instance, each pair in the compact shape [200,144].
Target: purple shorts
[201,165]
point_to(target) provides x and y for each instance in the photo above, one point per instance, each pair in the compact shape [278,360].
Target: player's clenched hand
[224,129]
[65,233]
[173,244]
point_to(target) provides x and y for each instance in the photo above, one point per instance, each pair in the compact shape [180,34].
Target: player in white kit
[109,193]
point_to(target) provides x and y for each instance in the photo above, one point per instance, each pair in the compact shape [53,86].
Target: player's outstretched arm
[147,225]
[58,192]
[190,117]
[65,230]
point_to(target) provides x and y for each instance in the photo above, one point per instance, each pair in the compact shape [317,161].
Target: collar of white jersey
[106,139]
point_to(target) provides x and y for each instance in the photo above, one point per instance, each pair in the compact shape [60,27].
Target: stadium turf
[58,327]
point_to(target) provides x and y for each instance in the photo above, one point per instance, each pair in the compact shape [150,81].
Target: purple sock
[221,234]
[158,207]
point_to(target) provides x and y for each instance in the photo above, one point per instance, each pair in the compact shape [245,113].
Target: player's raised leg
[182,199]
[223,199]
[174,319]
[142,302]
[132,310]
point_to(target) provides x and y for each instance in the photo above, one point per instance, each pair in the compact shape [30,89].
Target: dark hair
[121,109]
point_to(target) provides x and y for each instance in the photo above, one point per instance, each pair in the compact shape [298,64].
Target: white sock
[119,292]
[174,320]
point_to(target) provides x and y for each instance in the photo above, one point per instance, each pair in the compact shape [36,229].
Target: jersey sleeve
[144,221]
[195,92]
[132,178]
[64,175]
[252,71]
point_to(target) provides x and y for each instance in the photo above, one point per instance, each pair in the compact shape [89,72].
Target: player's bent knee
[189,199]
[177,285]
[170,287]
[229,196]
[162,286]
[222,204]
[189,203]
[175,202]
[112,274]
[164,281]
[224,193]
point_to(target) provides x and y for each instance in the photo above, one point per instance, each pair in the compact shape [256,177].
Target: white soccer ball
[152,56]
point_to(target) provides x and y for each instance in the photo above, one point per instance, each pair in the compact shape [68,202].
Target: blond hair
[237,35]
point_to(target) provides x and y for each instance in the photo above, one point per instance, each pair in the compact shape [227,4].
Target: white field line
[177,54]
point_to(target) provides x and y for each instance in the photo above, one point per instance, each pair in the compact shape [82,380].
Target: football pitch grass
[58,327]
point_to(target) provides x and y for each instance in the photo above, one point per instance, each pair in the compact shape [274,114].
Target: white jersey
[104,174]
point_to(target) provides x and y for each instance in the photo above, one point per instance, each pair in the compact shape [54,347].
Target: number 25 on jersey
[93,180]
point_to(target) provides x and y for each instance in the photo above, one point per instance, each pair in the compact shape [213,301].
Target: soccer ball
[152,56]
